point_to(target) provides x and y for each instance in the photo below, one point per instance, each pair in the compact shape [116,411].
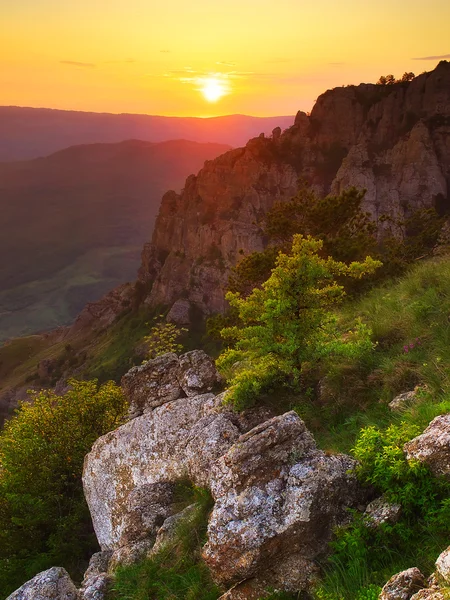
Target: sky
[207,58]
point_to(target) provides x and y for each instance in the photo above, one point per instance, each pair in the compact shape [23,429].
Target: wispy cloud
[226,64]
[74,63]
[442,56]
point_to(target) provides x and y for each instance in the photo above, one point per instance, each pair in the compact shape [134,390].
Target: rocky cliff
[392,140]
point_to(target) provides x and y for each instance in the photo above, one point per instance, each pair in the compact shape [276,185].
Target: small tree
[288,323]
[163,338]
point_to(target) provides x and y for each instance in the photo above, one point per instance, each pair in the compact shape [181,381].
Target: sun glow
[213,89]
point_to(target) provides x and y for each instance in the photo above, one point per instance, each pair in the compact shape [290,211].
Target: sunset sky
[206,58]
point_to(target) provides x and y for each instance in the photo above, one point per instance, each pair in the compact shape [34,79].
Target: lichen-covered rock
[53,584]
[402,401]
[403,586]
[152,384]
[379,511]
[172,442]
[277,500]
[430,594]
[98,564]
[167,533]
[433,446]
[96,587]
[443,566]
[147,508]
[197,373]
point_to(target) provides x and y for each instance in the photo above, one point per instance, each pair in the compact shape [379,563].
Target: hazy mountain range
[32,132]
[73,224]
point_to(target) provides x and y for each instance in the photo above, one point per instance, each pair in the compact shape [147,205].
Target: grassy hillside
[73,224]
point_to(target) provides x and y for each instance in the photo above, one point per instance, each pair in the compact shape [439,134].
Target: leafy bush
[289,323]
[44,519]
[365,557]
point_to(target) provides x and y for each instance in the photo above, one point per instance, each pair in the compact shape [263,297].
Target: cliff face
[392,140]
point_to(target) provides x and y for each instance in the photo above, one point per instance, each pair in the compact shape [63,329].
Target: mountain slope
[27,133]
[392,140]
[73,224]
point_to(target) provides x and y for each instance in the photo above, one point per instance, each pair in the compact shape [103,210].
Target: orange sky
[271,57]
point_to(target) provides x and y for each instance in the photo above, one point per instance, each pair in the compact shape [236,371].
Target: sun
[213,89]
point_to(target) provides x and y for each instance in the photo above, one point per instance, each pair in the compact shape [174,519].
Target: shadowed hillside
[73,224]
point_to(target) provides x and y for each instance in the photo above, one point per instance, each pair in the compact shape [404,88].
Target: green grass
[176,571]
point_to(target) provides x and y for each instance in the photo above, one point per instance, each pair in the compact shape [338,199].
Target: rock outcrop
[54,584]
[391,140]
[277,497]
[404,585]
[432,447]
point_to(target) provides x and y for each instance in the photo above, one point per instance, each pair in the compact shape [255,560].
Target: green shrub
[44,519]
[163,338]
[289,324]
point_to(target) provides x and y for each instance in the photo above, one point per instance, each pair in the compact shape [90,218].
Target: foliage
[346,231]
[177,570]
[44,519]
[366,556]
[163,338]
[288,323]
[390,79]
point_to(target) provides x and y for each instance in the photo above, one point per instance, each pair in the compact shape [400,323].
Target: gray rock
[147,508]
[277,497]
[167,533]
[96,587]
[98,564]
[152,384]
[403,586]
[443,566]
[379,511]
[197,373]
[433,446]
[150,449]
[53,584]
[179,313]
[430,594]
[402,401]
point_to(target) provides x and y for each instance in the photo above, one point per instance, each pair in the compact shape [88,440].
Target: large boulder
[277,499]
[177,440]
[53,584]
[433,446]
[403,585]
[443,566]
[167,378]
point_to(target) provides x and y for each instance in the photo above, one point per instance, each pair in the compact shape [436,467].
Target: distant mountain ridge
[27,133]
[73,224]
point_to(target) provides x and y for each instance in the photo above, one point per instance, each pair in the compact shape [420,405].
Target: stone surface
[430,594]
[152,384]
[150,449]
[402,401]
[166,534]
[433,446]
[277,499]
[443,566]
[403,586]
[379,511]
[53,584]
[197,373]
[96,587]
[179,312]
[98,564]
